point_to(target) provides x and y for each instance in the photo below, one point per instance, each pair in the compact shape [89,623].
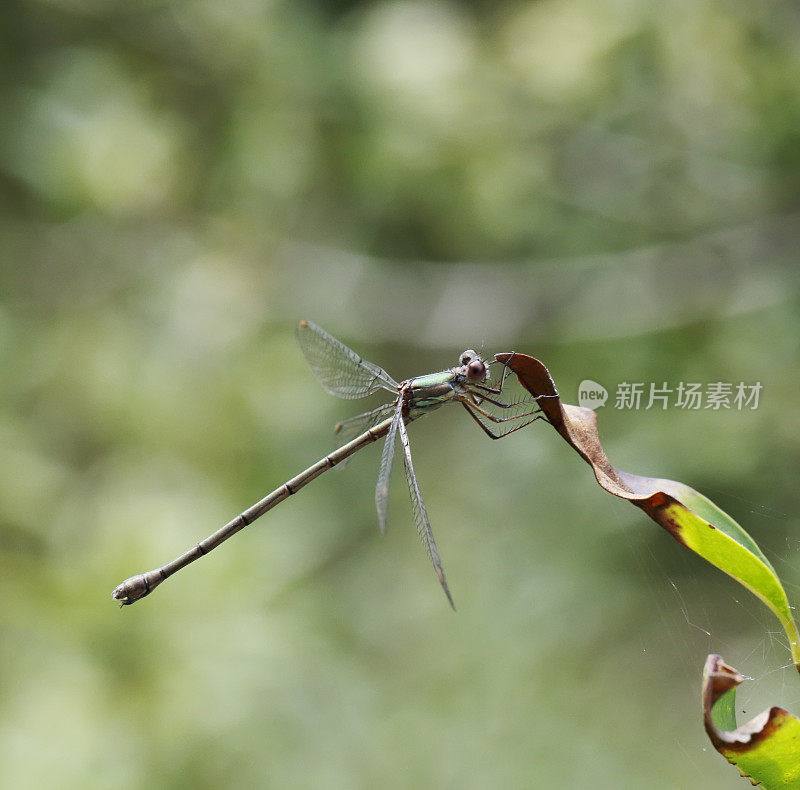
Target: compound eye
[476,370]
[467,357]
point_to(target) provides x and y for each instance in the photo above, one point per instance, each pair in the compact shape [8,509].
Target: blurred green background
[612,186]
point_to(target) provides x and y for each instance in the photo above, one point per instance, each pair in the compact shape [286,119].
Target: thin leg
[480,398]
[484,388]
[491,417]
[490,433]
[499,388]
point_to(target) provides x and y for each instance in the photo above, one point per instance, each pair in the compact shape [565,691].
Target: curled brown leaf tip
[718,679]
[578,427]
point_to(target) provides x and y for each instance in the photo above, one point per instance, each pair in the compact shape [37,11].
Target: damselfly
[345,374]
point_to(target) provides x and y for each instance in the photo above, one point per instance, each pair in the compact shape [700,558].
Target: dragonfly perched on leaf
[345,374]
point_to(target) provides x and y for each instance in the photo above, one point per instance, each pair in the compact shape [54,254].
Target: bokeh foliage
[610,186]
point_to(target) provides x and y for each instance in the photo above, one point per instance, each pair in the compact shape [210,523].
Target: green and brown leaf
[687,515]
[766,749]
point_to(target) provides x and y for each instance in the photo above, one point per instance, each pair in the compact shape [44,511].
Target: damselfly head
[474,368]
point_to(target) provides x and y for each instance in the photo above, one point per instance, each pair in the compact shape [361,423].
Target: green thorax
[431,380]
[429,392]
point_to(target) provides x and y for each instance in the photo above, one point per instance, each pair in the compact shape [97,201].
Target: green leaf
[766,750]
[705,529]
[687,515]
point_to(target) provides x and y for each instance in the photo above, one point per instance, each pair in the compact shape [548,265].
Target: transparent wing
[338,368]
[348,429]
[421,514]
[382,488]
